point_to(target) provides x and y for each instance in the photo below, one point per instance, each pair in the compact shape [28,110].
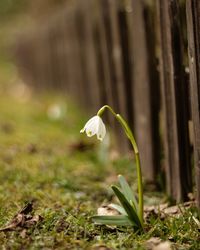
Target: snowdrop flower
[95,126]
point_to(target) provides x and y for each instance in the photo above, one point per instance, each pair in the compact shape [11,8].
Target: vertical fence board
[149,13]
[62,48]
[143,121]
[126,58]
[76,87]
[88,55]
[193,29]
[173,96]
[67,54]
[54,78]
[102,56]
[23,52]
[116,58]
[77,69]
[59,53]
[109,12]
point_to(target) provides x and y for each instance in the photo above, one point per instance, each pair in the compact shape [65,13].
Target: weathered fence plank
[88,59]
[67,54]
[102,56]
[77,69]
[126,58]
[174,96]
[116,58]
[109,13]
[149,15]
[193,29]
[51,68]
[142,88]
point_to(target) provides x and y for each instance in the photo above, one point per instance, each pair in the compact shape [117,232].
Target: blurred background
[131,55]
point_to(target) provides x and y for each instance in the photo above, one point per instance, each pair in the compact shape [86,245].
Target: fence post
[88,59]
[109,9]
[116,57]
[174,100]
[142,89]
[193,29]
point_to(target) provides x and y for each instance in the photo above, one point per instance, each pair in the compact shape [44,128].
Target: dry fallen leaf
[18,220]
[163,210]
[152,242]
[23,220]
[101,247]
[33,221]
[107,210]
[163,246]
[155,243]
[23,233]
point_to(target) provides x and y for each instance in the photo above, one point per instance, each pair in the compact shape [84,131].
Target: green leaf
[118,220]
[127,207]
[127,191]
[118,208]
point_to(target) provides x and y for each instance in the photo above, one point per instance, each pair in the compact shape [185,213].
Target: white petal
[95,126]
[92,126]
[102,131]
[88,124]
[94,118]
[91,129]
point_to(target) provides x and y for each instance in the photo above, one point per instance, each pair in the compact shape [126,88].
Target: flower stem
[101,110]
[136,152]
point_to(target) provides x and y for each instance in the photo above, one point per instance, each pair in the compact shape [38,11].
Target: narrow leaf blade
[127,207]
[118,220]
[127,191]
[118,208]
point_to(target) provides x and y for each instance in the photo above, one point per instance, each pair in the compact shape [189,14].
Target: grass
[41,161]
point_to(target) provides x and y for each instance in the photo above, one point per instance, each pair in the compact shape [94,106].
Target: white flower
[95,126]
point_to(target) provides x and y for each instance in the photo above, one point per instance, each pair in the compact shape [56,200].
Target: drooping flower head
[95,126]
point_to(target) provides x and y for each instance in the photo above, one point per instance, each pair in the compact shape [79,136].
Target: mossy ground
[41,160]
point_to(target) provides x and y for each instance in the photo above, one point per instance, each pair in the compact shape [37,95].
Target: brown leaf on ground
[155,243]
[33,221]
[107,210]
[163,246]
[23,233]
[164,210]
[23,219]
[101,247]
[16,221]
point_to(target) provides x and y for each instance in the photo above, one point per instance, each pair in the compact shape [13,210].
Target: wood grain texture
[174,96]
[143,89]
[193,29]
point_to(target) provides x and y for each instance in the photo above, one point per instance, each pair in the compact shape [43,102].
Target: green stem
[137,157]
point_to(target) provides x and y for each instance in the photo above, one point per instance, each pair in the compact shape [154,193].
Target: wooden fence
[133,56]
